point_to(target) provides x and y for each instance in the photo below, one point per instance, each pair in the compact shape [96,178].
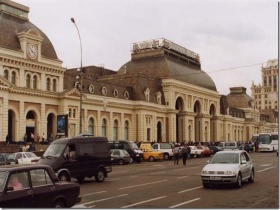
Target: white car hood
[221,167]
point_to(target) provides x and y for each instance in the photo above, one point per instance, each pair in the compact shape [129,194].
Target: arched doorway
[197,124]
[30,124]
[159,135]
[12,125]
[179,105]
[51,127]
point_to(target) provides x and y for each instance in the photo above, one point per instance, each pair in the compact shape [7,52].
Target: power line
[238,67]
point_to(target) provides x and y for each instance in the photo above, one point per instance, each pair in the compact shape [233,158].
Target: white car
[195,152]
[26,157]
[228,167]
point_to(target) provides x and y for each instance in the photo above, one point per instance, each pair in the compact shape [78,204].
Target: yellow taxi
[150,153]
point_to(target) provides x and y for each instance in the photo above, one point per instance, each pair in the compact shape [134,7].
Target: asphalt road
[165,185]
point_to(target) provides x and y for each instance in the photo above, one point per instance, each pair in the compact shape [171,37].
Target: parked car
[228,167]
[150,153]
[7,159]
[195,152]
[120,156]
[35,186]
[228,145]
[205,150]
[215,149]
[246,147]
[26,157]
[165,148]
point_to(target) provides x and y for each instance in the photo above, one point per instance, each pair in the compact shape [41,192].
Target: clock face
[32,51]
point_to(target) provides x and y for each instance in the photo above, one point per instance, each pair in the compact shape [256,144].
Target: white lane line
[266,169]
[160,172]
[180,204]
[267,164]
[142,184]
[190,189]
[109,198]
[146,201]
[93,193]
[181,177]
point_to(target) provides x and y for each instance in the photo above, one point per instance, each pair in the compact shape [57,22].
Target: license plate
[215,177]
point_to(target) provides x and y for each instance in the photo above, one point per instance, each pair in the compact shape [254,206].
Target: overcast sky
[238,36]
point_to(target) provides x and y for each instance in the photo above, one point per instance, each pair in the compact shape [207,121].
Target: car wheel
[166,156]
[100,176]
[121,162]
[138,161]
[239,181]
[80,179]
[151,159]
[63,176]
[252,177]
[205,185]
[59,204]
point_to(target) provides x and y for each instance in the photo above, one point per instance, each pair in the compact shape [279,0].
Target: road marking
[181,177]
[117,172]
[266,169]
[93,193]
[190,189]
[180,204]
[267,164]
[160,172]
[142,184]
[104,199]
[146,201]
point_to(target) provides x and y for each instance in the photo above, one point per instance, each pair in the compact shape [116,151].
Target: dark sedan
[120,156]
[215,149]
[35,186]
[8,159]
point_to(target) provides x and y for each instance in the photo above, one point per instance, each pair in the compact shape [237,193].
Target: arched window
[6,74]
[104,126]
[48,84]
[54,85]
[34,82]
[70,113]
[74,113]
[91,125]
[13,78]
[27,81]
[115,130]
[126,130]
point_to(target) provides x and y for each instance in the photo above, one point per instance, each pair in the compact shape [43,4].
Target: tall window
[54,85]
[35,82]
[91,125]
[48,84]
[70,113]
[27,81]
[6,74]
[115,130]
[126,130]
[13,78]
[74,113]
[104,126]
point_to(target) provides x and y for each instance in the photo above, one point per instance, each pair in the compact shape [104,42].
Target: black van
[79,157]
[133,150]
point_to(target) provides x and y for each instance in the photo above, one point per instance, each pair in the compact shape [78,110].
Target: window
[40,177]
[35,82]
[70,113]
[91,125]
[27,85]
[54,85]
[126,125]
[86,149]
[13,78]
[6,74]
[19,180]
[103,129]
[115,130]
[74,113]
[48,84]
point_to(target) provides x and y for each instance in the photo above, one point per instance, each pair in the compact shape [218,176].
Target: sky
[233,38]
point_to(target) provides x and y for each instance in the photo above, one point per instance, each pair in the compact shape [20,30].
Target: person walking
[176,153]
[184,154]
[7,139]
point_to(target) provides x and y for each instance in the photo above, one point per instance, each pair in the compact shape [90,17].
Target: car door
[244,167]
[19,157]
[44,190]
[18,198]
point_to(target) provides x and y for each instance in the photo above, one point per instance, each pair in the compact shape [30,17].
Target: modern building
[161,94]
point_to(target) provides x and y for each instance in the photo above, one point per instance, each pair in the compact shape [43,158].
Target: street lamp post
[80,77]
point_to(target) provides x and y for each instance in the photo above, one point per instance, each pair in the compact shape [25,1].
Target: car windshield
[133,145]
[225,158]
[54,150]
[3,177]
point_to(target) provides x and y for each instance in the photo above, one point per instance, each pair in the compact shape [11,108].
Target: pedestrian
[176,153]
[25,138]
[184,154]
[38,138]
[7,139]
[43,137]
[188,152]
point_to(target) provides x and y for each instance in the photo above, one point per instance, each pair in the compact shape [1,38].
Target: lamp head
[73,20]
